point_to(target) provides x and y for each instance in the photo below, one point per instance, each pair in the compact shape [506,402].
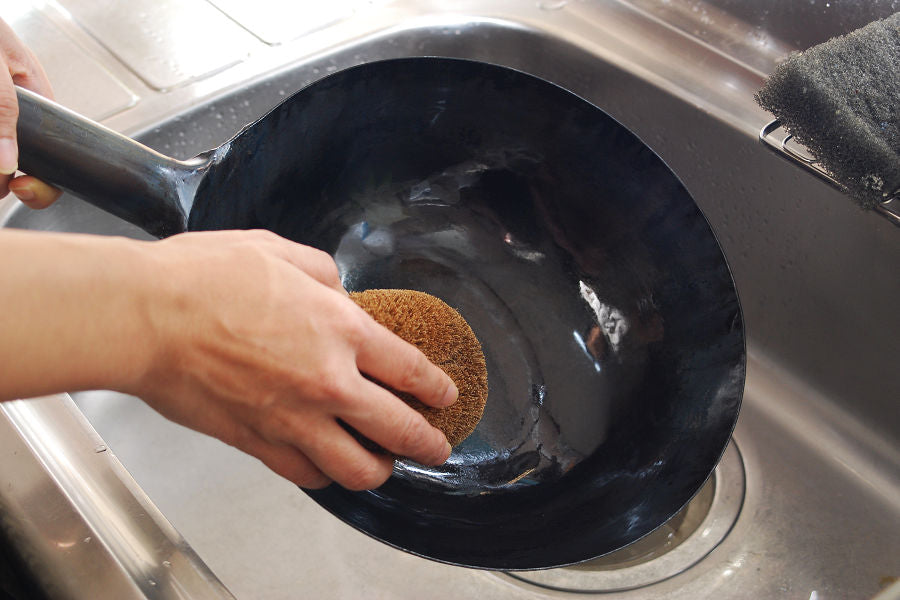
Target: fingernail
[9,156]
[24,193]
[447,453]
[450,395]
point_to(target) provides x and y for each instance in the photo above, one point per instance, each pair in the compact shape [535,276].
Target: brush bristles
[445,337]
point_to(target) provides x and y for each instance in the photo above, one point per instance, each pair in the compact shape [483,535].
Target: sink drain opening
[683,541]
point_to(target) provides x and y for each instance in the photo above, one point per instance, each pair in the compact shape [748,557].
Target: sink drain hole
[679,544]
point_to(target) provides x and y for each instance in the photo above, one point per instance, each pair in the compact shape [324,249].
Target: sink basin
[819,431]
[758,33]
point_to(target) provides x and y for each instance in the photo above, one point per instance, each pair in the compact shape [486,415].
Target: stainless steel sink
[819,433]
[760,32]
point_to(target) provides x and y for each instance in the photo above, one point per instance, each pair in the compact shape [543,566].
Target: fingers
[21,64]
[222,424]
[317,264]
[284,460]
[20,67]
[396,427]
[339,456]
[31,75]
[400,365]
[33,192]
[9,114]
[320,439]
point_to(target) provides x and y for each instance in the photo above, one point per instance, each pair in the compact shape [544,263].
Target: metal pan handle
[107,169]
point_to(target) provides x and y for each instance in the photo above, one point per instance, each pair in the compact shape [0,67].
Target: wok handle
[107,169]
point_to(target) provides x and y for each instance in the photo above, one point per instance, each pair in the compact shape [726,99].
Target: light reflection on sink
[758,33]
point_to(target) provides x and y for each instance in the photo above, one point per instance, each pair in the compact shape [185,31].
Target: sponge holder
[775,137]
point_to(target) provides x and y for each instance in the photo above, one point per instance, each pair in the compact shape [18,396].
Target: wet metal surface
[277,21]
[165,52]
[80,83]
[681,543]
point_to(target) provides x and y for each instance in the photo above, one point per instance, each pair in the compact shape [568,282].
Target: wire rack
[775,137]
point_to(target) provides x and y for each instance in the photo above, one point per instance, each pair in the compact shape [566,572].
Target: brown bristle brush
[445,337]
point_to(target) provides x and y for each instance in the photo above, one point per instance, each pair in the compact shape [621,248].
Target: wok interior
[604,306]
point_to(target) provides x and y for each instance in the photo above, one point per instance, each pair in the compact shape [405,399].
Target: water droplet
[87,539]
[552,4]
[166,564]
[99,448]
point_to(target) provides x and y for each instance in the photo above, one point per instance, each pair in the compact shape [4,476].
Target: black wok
[608,315]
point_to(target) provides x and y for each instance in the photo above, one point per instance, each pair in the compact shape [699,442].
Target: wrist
[164,302]
[130,339]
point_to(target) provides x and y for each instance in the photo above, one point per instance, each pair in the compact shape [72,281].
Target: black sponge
[841,100]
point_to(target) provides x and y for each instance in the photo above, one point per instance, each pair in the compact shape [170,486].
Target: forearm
[237,334]
[74,313]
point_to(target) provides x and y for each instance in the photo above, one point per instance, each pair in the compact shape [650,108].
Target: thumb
[33,192]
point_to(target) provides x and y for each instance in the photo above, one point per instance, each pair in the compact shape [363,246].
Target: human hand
[259,345]
[19,66]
